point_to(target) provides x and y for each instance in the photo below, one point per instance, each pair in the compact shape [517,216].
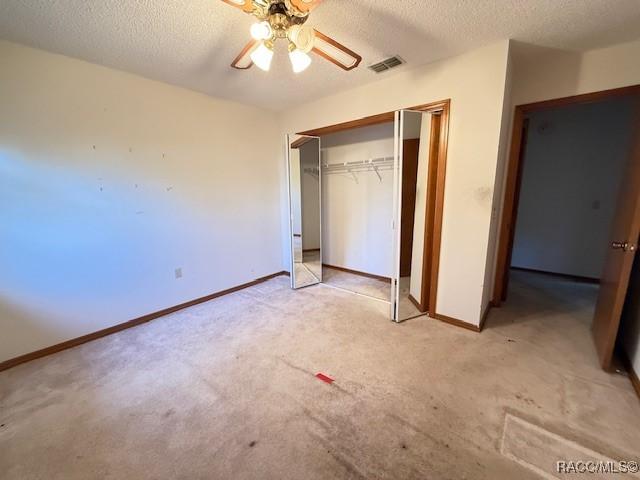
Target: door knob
[626,246]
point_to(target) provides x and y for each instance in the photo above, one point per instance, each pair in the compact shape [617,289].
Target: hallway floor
[226,390]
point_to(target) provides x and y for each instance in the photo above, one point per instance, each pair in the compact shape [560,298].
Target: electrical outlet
[178,272]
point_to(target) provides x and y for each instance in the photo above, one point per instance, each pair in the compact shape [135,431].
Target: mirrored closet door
[304,171]
[415,174]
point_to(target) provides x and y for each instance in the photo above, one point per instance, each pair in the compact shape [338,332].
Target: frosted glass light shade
[261,31]
[300,61]
[262,57]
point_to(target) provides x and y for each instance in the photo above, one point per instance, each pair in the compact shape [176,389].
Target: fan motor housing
[280,16]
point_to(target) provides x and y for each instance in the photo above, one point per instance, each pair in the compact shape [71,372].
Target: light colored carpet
[226,390]
[371,287]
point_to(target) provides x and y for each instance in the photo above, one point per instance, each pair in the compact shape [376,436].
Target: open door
[617,269]
[417,169]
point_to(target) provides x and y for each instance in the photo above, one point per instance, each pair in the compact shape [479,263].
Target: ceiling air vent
[386,64]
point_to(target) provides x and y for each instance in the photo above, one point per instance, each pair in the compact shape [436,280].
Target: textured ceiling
[192,42]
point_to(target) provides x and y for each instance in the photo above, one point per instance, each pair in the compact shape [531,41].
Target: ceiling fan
[285,19]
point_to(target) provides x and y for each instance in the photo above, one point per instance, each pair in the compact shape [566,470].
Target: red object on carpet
[324,378]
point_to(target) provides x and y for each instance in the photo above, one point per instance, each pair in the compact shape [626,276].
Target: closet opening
[381,182]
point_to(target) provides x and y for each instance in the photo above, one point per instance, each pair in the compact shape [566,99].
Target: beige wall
[475,83]
[543,73]
[91,237]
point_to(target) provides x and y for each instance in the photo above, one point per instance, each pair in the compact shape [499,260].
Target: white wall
[475,83]
[357,216]
[91,236]
[574,161]
[422,184]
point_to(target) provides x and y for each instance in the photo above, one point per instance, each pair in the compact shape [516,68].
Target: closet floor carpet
[227,390]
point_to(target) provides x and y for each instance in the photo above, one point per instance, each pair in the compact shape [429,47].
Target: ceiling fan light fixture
[261,31]
[262,56]
[286,20]
[300,61]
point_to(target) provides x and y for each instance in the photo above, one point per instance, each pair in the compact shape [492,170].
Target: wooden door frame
[514,172]
[407,234]
[442,110]
[433,211]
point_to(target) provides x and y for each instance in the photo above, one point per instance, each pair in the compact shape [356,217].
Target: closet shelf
[370,165]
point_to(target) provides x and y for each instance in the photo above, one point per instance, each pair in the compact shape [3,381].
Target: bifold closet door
[305,212]
[412,159]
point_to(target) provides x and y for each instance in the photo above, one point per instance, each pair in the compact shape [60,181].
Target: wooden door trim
[430,213]
[443,146]
[510,210]
[300,142]
[377,119]
[514,169]
[409,194]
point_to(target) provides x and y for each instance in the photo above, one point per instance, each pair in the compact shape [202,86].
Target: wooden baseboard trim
[417,304]
[633,375]
[356,272]
[12,362]
[576,278]
[457,323]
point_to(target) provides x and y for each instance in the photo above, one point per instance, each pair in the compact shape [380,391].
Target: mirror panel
[357,197]
[303,164]
[412,162]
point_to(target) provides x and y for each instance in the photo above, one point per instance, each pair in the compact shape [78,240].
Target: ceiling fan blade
[335,52]
[243,60]
[246,5]
[305,5]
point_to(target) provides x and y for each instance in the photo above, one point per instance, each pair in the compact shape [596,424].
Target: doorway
[572,206]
